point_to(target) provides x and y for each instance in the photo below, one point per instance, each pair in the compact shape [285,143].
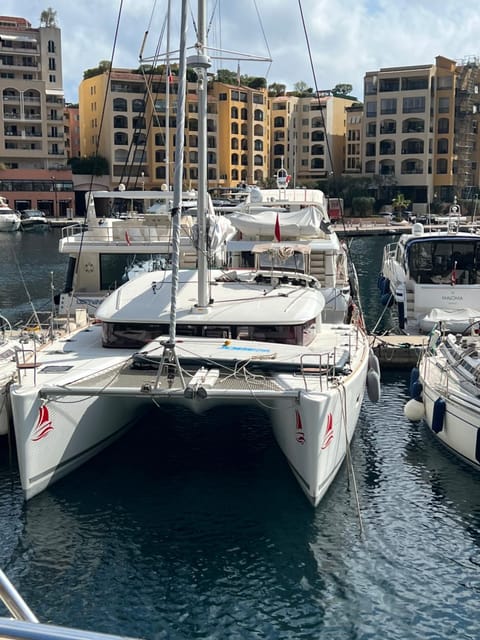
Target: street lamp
[55,206]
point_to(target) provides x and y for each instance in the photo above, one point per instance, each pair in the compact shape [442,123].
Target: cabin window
[282,259]
[441,262]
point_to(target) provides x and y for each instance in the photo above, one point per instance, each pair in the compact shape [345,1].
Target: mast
[167,102]
[200,62]
[169,361]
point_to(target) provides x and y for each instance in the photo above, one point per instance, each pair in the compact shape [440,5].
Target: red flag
[453,278]
[278,236]
[127,238]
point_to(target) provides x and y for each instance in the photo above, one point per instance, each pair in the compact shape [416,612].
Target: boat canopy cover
[303,223]
[452,315]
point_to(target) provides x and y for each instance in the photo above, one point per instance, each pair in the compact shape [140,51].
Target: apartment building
[32,146]
[72,131]
[243,134]
[353,133]
[32,96]
[420,130]
[135,129]
[308,135]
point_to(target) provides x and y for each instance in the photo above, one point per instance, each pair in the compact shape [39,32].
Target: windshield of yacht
[434,261]
[282,258]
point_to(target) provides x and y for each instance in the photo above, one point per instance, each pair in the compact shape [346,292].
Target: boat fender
[386,286]
[414,375]
[439,408]
[380,281]
[401,315]
[414,410]
[373,363]
[417,390]
[373,386]
[387,299]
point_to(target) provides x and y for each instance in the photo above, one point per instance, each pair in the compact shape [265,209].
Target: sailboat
[201,339]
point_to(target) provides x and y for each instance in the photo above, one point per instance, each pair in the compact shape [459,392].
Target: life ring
[373,386]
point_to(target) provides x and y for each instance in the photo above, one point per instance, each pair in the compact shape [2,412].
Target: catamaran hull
[56,436]
[56,432]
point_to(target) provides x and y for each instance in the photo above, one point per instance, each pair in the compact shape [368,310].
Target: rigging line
[348,455]
[97,145]
[310,58]
[211,17]
[263,33]
[35,314]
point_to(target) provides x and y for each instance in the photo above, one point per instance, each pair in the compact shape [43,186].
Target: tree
[276,89]
[400,204]
[301,88]
[103,65]
[48,18]
[90,165]
[227,76]
[342,89]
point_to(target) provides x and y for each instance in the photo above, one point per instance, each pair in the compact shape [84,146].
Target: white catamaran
[200,339]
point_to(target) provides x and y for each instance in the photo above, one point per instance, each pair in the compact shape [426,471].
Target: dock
[397,351]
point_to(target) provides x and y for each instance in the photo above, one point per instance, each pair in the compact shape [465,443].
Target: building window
[414,105]
[119,104]
[371,109]
[120,138]
[442,145]
[51,46]
[442,165]
[52,64]
[138,105]
[443,105]
[388,105]
[120,122]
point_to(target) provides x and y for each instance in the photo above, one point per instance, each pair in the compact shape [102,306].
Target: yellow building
[135,130]
[243,134]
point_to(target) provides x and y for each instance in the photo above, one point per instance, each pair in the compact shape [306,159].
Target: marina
[206,533]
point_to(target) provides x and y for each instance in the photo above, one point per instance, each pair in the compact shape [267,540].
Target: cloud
[326,41]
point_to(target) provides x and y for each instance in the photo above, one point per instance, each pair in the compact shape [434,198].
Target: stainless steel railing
[25,625]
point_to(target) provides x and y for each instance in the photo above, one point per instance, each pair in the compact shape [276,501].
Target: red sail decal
[299,433]
[328,432]
[44,424]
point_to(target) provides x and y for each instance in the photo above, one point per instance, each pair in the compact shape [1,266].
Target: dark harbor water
[194,528]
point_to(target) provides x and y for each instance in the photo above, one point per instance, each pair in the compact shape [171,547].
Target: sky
[342,38]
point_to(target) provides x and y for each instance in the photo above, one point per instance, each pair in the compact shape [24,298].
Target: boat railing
[24,625]
[148,230]
[322,366]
